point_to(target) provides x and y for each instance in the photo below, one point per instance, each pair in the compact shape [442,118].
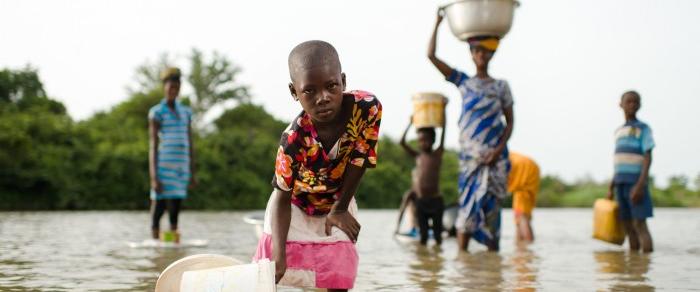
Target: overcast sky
[567,62]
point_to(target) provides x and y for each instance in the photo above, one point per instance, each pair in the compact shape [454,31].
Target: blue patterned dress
[481,125]
[173,160]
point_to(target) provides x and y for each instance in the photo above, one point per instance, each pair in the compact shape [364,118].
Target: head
[482,49]
[426,138]
[171,82]
[317,80]
[630,102]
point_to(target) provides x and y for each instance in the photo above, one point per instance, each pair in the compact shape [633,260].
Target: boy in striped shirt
[633,145]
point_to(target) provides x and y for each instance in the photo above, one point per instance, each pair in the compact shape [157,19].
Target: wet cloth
[313,258]
[629,210]
[430,209]
[481,124]
[523,183]
[173,161]
[632,141]
[315,177]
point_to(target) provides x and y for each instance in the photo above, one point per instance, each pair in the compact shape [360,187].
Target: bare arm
[412,152]
[508,113]
[339,215]
[193,181]
[153,128]
[441,147]
[643,177]
[638,189]
[281,217]
[445,69]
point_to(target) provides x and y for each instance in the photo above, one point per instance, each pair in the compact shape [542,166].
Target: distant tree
[17,85]
[22,90]
[678,182]
[212,78]
[213,82]
[35,143]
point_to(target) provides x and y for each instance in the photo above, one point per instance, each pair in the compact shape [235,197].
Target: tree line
[49,161]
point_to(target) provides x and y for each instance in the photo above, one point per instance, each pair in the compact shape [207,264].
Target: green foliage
[554,192]
[48,161]
[213,81]
[235,163]
[384,186]
[35,143]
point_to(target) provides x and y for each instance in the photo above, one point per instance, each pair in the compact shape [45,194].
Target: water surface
[86,251]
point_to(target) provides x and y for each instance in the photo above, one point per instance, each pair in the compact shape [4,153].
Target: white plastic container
[469,18]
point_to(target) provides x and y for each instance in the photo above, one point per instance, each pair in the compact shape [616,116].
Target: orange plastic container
[606,225]
[428,110]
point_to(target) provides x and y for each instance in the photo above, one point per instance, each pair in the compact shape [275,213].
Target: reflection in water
[161,260]
[481,270]
[525,269]
[626,271]
[90,254]
[165,257]
[427,267]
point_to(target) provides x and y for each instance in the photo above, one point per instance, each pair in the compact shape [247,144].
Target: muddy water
[86,251]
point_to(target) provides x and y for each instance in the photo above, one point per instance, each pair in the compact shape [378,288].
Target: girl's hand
[345,222]
[156,186]
[280,268]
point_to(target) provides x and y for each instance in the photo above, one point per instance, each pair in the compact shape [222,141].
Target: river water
[86,251]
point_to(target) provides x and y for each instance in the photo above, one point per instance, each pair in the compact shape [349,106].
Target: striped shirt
[173,160]
[632,141]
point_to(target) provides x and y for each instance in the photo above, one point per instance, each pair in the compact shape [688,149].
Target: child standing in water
[427,203]
[171,154]
[633,146]
[310,225]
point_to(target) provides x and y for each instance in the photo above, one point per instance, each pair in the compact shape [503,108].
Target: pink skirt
[314,259]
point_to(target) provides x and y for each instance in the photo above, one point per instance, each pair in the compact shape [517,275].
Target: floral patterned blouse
[315,177]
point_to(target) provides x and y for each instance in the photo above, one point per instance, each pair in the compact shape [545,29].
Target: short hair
[430,131]
[631,92]
[310,54]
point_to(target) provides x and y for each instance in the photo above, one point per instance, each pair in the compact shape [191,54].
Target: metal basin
[469,18]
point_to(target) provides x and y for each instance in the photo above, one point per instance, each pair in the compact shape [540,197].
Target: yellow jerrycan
[606,225]
[428,110]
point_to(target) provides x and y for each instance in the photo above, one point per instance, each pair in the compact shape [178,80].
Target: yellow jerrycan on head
[606,225]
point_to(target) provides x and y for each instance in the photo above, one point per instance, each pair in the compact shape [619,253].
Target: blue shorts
[629,210]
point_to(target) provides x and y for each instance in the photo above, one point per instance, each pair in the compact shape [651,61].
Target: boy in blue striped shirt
[633,145]
[171,159]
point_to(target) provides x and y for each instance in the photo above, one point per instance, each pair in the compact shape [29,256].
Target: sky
[567,63]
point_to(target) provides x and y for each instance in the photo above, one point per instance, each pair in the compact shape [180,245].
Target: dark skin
[428,162]
[319,89]
[172,90]
[636,229]
[481,57]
